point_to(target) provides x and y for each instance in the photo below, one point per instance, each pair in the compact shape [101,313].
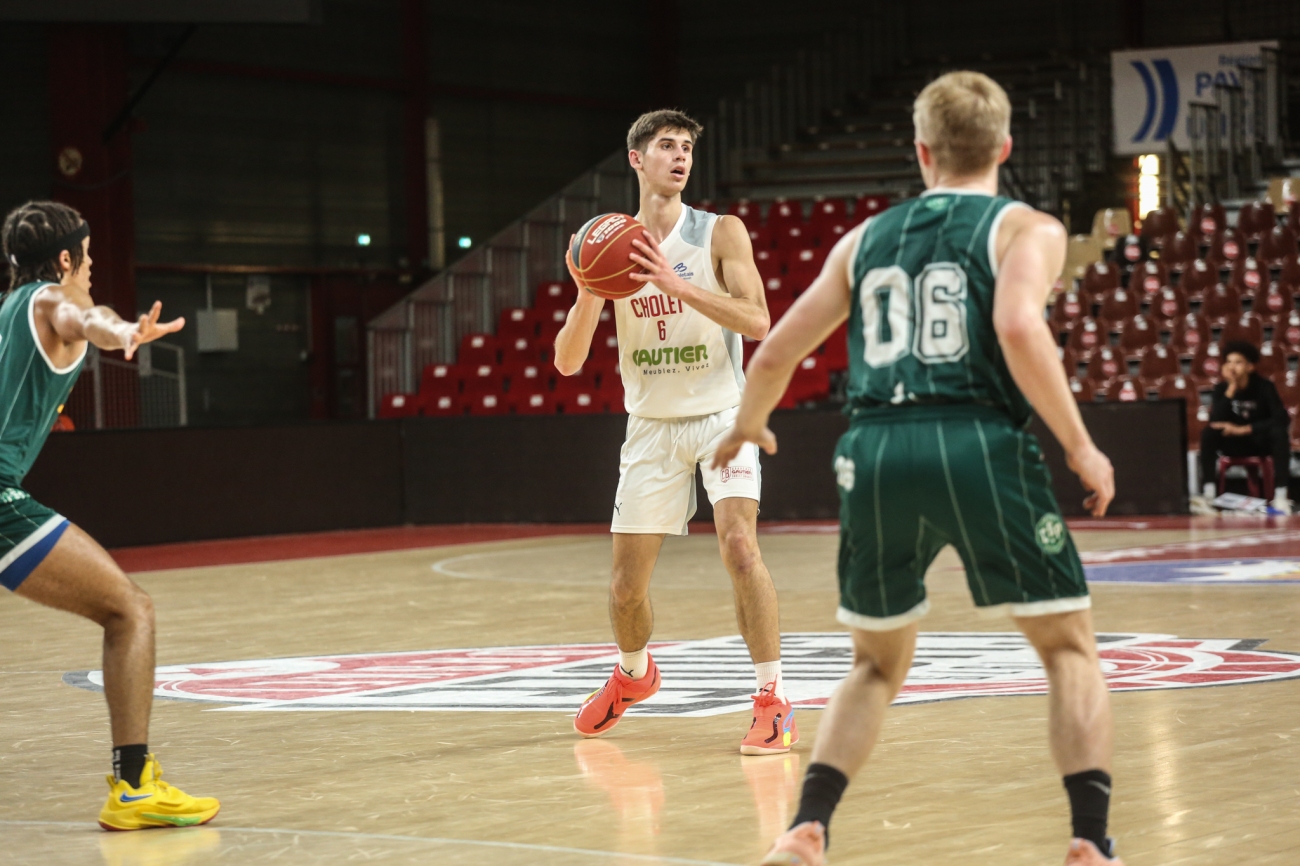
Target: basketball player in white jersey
[680,357]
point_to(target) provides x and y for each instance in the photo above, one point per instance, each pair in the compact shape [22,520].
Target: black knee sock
[822,788]
[128,763]
[1089,793]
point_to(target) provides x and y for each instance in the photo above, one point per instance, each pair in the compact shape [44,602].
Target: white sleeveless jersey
[676,362]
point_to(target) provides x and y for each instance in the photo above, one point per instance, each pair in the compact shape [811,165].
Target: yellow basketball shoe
[153,803]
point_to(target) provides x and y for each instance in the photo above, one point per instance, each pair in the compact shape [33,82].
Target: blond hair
[964,118]
[645,127]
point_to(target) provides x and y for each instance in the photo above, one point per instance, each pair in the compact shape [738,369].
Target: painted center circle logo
[700,677]
[1050,533]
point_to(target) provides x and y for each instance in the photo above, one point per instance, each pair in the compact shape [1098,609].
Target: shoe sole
[765,750]
[597,734]
[113,829]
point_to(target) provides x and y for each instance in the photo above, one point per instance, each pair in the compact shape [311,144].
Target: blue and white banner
[1152,86]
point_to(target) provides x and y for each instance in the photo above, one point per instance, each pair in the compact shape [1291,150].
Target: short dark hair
[32,227]
[647,125]
[1249,351]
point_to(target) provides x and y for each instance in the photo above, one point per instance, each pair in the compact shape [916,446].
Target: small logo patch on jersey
[680,270]
[1050,533]
[938,202]
[845,472]
[730,472]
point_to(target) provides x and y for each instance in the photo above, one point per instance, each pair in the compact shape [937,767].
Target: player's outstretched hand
[1097,476]
[731,444]
[149,329]
[658,269]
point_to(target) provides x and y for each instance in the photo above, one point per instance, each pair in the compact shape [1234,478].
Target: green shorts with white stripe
[913,479]
[28,532]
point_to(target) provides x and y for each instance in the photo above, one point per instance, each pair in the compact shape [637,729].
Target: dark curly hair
[32,227]
[1249,351]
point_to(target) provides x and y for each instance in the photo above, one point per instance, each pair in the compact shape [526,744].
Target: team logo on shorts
[700,677]
[1050,533]
[737,472]
[845,472]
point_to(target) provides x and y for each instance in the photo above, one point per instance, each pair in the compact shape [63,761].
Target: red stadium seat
[1227,246]
[1083,390]
[1274,303]
[1105,365]
[1179,387]
[1288,387]
[443,405]
[792,236]
[747,212]
[1206,362]
[811,381]
[1188,334]
[1067,309]
[1099,278]
[1126,389]
[829,234]
[826,212]
[1179,253]
[782,214]
[604,348]
[1208,220]
[1289,271]
[522,350]
[1288,333]
[706,204]
[1197,278]
[1255,218]
[1157,362]
[1069,361]
[1119,304]
[575,400]
[1136,333]
[770,263]
[1248,275]
[552,322]
[518,322]
[1086,337]
[804,266]
[399,405]
[1272,360]
[1168,304]
[554,295]
[835,351]
[1220,301]
[1276,245]
[1148,278]
[488,404]
[1130,250]
[476,349]
[439,380]
[1246,327]
[1159,224]
[529,376]
[760,237]
[531,402]
[868,206]
[483,379]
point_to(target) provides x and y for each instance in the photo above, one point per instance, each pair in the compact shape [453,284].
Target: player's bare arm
[814,316]
[745,310]
[73,318]
[573,343]
[1031,252]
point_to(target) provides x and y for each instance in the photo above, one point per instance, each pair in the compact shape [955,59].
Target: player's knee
[626,591]
[872,669]
[740,551]
[131,606]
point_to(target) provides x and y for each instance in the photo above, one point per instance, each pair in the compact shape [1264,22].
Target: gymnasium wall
[154,486]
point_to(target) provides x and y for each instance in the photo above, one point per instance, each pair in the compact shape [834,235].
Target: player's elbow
[761,326]
[1017,327]
[566,366]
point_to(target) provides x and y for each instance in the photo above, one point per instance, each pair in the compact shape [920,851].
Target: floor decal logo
[700,677]
[1193,571]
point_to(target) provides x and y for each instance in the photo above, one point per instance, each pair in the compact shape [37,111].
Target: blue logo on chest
[680,270]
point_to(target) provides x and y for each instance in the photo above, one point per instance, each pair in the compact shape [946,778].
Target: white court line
[441,566]
[385,837]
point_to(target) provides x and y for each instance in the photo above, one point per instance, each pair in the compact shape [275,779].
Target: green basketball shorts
[914,479]
[28,532]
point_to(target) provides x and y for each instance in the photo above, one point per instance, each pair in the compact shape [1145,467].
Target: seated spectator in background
[1247,419]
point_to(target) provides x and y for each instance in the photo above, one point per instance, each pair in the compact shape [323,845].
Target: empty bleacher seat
[1255,218]
[1086,337]
[1220,301]
[1099,278]
[1247,275]
[1206,362]
[747,212]
[1198,277]
[530,402]
[1082,389]
[1148,277]
[478,349]
[518,322]
[1247,326]
[868,206]
[1208,220]
[1105,365]
[488,404]
[529,376]
[1157,362]
[522,350]
[443,405]
[1188,334]
[1137,333]
[1179,253]
[439,379]
[826,212]
[1126,389]
[399,405]
[782,215]
[1067,309]
[1275,303]
[1276,245]
[554,295]
[1168,304]
[811,381]
[1119,304]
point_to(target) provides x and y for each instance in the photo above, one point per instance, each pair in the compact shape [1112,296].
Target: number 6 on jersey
[894,321]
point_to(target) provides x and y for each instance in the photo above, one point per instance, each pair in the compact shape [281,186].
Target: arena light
[1148,184]
[363,240]
[465,242]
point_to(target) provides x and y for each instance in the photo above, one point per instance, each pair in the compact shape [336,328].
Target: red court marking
[276,548]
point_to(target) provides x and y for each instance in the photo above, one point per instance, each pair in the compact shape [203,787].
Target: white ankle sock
[769,672]
[635,664]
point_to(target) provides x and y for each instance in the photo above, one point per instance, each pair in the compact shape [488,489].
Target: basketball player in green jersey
[948,351]
[46,320]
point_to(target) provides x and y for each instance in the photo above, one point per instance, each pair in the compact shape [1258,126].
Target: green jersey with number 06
[921,324]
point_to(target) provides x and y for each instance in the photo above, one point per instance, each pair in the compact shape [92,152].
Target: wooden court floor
[1207,775]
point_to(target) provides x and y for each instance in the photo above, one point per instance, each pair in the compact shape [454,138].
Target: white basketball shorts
[656,485]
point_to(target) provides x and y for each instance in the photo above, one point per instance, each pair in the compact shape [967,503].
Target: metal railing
[147,392]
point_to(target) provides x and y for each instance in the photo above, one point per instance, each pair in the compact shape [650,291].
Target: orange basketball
[600,253]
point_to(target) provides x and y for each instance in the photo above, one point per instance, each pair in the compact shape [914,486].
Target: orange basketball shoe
[804,845]
[1084,853]
[773,730]
[601,711]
